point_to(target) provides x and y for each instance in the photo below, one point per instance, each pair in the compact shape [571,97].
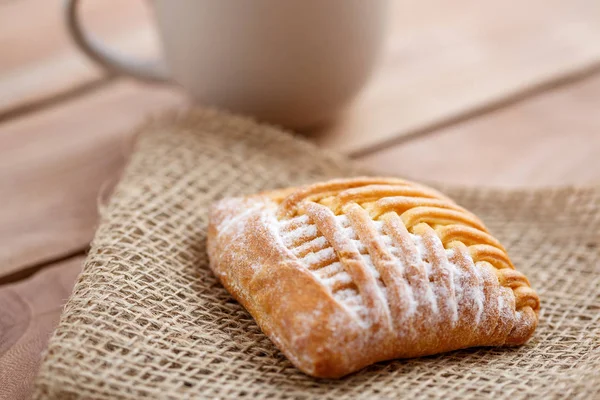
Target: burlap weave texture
[147,318]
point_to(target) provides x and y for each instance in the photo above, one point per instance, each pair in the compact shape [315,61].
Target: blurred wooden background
[497,93]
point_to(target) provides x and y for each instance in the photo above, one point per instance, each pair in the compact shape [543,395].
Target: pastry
[349,272]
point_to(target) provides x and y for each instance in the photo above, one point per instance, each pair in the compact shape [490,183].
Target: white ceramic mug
[290,62]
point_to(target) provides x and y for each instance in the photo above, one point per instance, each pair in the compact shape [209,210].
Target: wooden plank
[442,59]
[446,58]
[53,181]
[54,165]
[29,313]
[40,61]
[552,139]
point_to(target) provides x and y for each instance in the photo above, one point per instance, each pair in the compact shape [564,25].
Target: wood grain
[54,165]
[442,59]
[553,139]
[29,313]
[446,58]
[40,61]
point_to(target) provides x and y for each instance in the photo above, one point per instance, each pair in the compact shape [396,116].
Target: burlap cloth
[147,318]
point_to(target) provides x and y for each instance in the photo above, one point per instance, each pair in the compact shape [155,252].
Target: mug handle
[149,71]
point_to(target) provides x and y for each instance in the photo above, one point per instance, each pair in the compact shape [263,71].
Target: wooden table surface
[498,93]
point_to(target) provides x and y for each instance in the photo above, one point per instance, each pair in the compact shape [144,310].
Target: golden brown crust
[346,273]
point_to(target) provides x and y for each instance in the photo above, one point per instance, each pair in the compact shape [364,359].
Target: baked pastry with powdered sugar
[346,273]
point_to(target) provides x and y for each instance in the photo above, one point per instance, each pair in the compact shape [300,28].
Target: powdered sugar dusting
[342,220]
[320,259]
[293,223]
[346,294]
[421,258]
[330,270]
[301,234]
[420,249]
[349,233]
[387,241]
[370,265]
[444,293]
[317,244]
[337,281]
[352,300]
[360,246]
[478,296]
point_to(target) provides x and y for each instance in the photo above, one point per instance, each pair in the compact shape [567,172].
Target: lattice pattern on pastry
[388,249]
